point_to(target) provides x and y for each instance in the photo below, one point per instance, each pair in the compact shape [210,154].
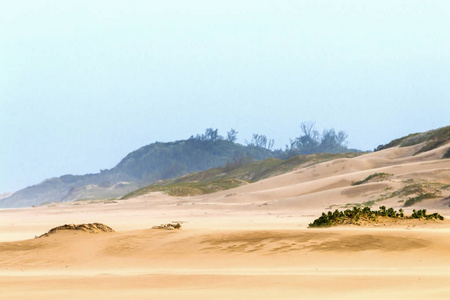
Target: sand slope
[247,243]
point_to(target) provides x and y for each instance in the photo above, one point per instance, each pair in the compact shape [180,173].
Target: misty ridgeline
[158,160]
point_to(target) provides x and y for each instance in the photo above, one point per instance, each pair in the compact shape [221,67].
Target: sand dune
[246,243]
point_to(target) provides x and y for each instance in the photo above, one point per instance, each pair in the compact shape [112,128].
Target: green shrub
[355,215]
[422,213]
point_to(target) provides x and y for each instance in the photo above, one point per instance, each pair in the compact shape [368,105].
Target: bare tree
[259,140]
[309,130]
[270,144]
[341,138]
[210,135]
[308,142]
[232,135]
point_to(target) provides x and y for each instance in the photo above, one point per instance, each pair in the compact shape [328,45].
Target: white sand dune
[246,243]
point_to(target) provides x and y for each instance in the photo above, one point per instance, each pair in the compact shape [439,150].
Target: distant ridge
[158,161]
[139,168]
[223,178]
[161,161]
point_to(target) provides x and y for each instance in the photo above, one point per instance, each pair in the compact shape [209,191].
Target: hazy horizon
[84,83]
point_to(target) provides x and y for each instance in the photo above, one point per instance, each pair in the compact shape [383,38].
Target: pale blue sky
[83,83]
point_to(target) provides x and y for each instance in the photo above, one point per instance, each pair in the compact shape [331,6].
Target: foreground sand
[343,263]
[215,263]
[248,243]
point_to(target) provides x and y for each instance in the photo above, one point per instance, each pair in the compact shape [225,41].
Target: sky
[83,83]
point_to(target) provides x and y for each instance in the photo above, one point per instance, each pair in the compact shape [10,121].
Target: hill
[223,178]
[218,179]
[158,161]
[139,168]
[229,162]
[430,140]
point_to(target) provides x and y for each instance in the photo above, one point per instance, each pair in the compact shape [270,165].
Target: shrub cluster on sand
[356,215]
[169,226]
[422,213]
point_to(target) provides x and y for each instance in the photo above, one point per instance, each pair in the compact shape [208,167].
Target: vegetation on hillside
[311,141]
[170,160]
[421,190]
[182,189]
[358,216]
[228,159]
[223,178]
[372,176]
[411,193]
[159,160]
[447,154]
[419,198]
[432,139]
[209,150]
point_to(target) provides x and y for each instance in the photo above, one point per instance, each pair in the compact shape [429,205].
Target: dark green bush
[422,213]
[352,216]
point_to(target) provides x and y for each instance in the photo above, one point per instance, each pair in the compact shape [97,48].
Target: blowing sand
[251,242]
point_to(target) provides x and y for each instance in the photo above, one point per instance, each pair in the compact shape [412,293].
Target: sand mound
[90,228]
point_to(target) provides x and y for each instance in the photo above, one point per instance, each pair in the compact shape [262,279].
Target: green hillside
[139,168]
[432,139]
[168,160]
[224,178]
[158,161]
